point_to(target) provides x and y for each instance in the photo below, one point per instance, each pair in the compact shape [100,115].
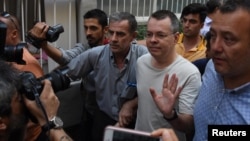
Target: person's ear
[176,36]
[106,29]
[135,34]
[14,33]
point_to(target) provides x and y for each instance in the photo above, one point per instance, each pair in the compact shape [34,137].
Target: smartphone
[113,133]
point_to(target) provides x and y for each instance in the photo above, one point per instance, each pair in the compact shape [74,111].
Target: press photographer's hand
[49,101]
[39,30]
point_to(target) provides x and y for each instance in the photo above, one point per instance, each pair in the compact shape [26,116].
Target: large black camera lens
[58,79]
[14,53]
[31,85]
[10,53]
[3,28]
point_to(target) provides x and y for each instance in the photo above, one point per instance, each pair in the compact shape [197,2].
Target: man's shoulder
[180,38]
[139,48]
[82,45]
[99,49]
[144,58]
[186,65]
[203,42]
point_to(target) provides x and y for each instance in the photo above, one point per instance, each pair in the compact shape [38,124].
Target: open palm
[166,100]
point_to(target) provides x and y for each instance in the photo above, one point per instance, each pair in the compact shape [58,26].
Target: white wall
[62,12]
[69,13]
[82,7]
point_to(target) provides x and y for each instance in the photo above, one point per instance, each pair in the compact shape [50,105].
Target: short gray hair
[120,16]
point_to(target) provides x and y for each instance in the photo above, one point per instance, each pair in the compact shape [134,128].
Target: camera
[51,36]
[54,32]
[10,53]
[30,85]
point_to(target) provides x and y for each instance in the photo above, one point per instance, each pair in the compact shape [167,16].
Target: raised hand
[166,100]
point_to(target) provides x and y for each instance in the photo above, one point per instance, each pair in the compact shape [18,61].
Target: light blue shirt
[219,106]
[69,54]
[113,86]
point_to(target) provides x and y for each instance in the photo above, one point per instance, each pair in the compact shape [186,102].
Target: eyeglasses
[8,16]
[158,35]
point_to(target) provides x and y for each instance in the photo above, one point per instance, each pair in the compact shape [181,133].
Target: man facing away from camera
[14,106]
[13,38]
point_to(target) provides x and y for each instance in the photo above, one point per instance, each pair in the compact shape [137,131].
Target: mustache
[113,44]
[89,37]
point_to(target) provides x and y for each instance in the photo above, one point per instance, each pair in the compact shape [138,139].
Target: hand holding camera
[34,89]
[50,103]
[41,33]
[31,86]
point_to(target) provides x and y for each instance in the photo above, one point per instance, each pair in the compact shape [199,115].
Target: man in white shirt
[212,6]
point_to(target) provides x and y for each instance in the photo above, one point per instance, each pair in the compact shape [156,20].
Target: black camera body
[10,53]
[52,35]
[32,85]
[3,28]
[53,32]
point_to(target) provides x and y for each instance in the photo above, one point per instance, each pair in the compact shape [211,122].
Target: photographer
[14,107]
[95,25]
[13,38]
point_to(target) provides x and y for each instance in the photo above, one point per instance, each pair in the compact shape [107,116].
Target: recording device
[54,32]
[10,53]
[32,85]
[52,35]
[113,133]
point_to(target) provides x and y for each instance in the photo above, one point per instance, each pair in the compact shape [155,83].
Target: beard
[17,127]
[93,42]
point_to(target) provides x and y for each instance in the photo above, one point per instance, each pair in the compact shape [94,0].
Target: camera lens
[30,85]
[58,79]
[14,53]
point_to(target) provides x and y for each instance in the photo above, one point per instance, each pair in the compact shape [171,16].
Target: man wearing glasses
[155,70]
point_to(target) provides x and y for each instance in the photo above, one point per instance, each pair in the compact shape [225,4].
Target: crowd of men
[157,86]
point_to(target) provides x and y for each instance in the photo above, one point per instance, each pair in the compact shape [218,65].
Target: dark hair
[98,14]
[233,5]
[13,20]
[212,5]
[207,38]
[162,14]
[195,8]
[120,16]
[9,84]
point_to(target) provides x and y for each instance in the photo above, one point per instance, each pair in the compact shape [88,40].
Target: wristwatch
[175,116]
[54,123]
